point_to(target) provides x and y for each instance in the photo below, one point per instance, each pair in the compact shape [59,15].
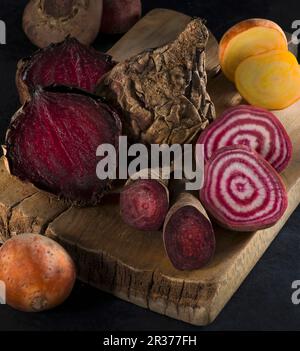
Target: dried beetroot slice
[144,204]
[254,127]
[52,142]
[242,191]
[188,234]
[68,63]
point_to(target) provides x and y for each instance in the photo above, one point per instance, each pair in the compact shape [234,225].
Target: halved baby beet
[254,127]
[68,63]
[242,191]
[188,235]
[144,204]
[52,142]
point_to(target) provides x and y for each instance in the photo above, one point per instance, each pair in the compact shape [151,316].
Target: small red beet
[188,234]
[68,63]
[254,127]
[120,15]
[52,142]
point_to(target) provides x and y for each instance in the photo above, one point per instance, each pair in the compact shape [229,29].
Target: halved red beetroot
[68,63]
[52,142]
[188,235]
[254,127]
[242,191]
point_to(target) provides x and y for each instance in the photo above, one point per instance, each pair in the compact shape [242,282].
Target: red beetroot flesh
[254,127]
[52,143]
[242,191]
[144,204]
[189,239]
[68,63]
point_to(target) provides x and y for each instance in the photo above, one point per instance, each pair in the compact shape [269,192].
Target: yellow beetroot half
[270,80]
[248,38]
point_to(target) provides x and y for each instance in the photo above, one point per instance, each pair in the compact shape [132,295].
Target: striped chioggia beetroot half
[242,191]
[188,235]
[67,63]
[52,142]
[254,127]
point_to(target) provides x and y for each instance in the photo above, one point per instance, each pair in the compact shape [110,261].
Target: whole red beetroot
[52,142]
[120,15]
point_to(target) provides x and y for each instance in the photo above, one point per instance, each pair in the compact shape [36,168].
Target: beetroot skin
[144,204]
[254,127]
[52,142]
[242,191]
[188,235]
[68,63]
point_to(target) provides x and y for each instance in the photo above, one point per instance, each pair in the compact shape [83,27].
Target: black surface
[264,300]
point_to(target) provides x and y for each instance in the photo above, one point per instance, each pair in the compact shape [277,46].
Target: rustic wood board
[131,264]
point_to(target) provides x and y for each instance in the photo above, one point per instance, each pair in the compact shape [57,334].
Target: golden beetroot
[248,38]
[37,272]
[270,80]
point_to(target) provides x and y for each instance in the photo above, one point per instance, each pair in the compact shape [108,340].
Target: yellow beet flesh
[246,39]
[270,80]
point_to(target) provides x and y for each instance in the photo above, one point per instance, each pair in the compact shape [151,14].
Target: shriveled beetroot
[68,63]
[242,191]
[254,127]
[144,204]
[52,142]
[188,235]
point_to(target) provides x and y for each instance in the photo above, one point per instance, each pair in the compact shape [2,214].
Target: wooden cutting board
[131,264]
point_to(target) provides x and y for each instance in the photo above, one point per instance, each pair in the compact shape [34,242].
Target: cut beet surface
[188,234]
[52,142]
[68,63]
[254,127]
[144,204]
[242,191]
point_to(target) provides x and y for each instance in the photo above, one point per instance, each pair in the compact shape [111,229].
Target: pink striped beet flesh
[144,204]
[68,63]
[189,239]
[254,127]
[242,191]
[52,142]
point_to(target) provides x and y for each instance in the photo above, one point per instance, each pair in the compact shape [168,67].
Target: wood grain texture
[131,264]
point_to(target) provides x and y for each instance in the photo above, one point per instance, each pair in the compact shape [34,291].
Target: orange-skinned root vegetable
[120,15]
[51,21]
[188,234]
[248,38]
[52,142]
[242,191]
[38,273]
[270,80]
[254,127]
[144,203]
[67,63]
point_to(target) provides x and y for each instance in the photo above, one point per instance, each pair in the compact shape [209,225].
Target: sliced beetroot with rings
[68,63]
[242,191]
[52,142]
[254,127]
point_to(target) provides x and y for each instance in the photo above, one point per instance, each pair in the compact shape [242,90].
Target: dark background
[263,302]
